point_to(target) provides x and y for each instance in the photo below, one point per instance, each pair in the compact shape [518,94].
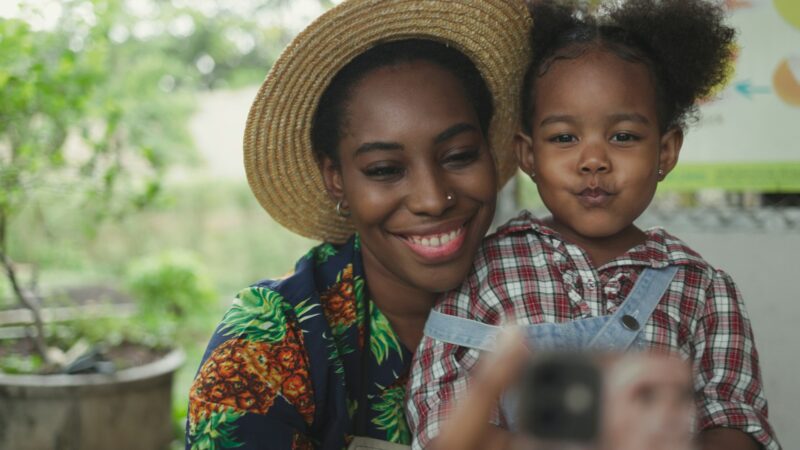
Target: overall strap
[618,332]
[627,323]
[462,332]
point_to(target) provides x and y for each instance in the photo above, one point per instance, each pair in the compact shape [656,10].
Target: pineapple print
[264,358]
[295,379]
[300,442]
[237,374]
[339,301]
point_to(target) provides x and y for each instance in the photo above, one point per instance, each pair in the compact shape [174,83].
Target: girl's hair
[331,115]
[684,43]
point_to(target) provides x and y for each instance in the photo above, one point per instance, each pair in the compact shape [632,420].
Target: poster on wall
[748,136]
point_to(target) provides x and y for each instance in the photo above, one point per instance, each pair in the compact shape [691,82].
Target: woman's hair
[684,43]
[331,114]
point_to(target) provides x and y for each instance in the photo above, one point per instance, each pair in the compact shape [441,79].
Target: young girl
[607,99]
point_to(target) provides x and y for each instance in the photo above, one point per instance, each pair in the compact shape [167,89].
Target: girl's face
[417,175]
[595,148]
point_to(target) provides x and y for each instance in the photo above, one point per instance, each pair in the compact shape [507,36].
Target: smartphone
[560,398]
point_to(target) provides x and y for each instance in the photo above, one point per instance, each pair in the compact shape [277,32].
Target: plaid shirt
[527,274]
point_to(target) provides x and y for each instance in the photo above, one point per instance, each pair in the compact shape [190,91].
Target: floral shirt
[284,368]
[528,274]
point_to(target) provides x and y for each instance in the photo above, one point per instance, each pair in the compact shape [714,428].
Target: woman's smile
[438,246]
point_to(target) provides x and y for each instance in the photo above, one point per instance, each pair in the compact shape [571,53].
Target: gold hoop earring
[342,210]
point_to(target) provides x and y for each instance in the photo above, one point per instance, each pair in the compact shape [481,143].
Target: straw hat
[281,168]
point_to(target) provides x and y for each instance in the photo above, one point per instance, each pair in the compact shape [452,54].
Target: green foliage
[20,364]
[169,288]
[5,294]
[76,115]
[108,331]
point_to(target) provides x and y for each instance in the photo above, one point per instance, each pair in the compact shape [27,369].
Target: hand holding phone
[615,402]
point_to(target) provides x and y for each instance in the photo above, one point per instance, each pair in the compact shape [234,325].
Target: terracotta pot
[129,410]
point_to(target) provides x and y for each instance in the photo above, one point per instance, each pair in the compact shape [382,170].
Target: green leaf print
[391,416]
[215,431]
[323,252]
[352,407]
[382,338]
[334,355]
[358,292]
[257,314]
[302,310]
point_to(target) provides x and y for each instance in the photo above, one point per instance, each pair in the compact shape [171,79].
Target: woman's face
[417,175]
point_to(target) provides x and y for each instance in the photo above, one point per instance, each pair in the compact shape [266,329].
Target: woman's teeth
[436,240]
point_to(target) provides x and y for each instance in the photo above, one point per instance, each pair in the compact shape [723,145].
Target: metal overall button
[630,322]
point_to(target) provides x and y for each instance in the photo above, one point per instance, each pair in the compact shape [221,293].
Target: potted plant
[114,391]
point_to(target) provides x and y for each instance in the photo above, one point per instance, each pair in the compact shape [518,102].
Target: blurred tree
[95,105]
[64,126]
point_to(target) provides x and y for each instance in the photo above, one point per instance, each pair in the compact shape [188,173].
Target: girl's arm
[727,439]
[439,378]
[732,407]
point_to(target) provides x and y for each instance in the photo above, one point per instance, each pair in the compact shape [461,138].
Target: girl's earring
[342,210]
[661,174]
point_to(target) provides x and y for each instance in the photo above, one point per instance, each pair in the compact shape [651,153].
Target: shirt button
[630,322]
[590,285]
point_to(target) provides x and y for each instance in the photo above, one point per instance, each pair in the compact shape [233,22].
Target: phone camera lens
[578,398]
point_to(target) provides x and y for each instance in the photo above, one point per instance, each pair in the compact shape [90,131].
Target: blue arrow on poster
[747,89]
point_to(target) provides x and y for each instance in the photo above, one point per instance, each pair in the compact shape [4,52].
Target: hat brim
[280,164]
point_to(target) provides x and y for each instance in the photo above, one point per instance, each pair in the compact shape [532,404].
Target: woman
[374,133]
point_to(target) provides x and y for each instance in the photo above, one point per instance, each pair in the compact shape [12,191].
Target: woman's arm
[253,389]
[222,426]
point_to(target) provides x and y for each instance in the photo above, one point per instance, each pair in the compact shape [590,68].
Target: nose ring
[449,197]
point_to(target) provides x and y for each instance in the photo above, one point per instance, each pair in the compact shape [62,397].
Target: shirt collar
[659,250]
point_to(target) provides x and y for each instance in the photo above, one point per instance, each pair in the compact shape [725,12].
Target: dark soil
[123,356]
[128,355]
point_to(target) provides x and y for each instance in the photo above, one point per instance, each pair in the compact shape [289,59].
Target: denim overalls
[614,333]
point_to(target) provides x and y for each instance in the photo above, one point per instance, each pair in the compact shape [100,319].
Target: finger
[647,405]
[497,370]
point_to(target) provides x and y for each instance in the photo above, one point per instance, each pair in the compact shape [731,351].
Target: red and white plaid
[527,274]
